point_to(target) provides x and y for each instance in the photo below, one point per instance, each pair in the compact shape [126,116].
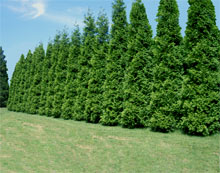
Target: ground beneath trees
[31,143]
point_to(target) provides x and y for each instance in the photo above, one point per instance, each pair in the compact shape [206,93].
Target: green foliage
[116,62]
[46,65]
[27,84]
[72,70]
[200,91]
[138,73]
[51,77]
[21,85]
[93,107]
[167,71]
[4,88]
[201,20]
[14,86]
[35,88]
[83,76]
[19,81]
[60,75]
[126,78]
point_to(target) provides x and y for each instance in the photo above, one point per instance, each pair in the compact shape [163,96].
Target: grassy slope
[31,143]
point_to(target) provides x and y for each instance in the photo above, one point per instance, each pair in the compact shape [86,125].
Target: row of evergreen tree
[128,77]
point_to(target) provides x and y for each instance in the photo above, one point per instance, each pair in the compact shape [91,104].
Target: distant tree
[35,88]
[167,72]
[51,75]
[137,84]
[72,71]
[115,67]
[200,91]
[4,88]
[45,79]
[60,75]
[83,76]
[94,100]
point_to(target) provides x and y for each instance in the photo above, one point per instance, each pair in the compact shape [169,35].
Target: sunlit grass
[31,143]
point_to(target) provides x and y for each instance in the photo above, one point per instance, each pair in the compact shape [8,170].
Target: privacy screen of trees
[124,76]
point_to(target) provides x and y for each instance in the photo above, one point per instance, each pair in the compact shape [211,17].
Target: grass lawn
[31,143]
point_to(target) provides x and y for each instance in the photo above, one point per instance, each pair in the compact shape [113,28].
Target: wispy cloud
[39,9]
[32,9]
[28,8]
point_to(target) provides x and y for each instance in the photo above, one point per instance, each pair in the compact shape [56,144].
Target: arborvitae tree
[137,88]
[14,94]
[21,85]
[12,88]
[93,108]
[200,91]
[60,73]
[45,79]
[167,73]
[18,95]
[31,73]
[51,75]
[115,67]
[27,75]
[35,89]
[83,75]
[72,70]
[4,88]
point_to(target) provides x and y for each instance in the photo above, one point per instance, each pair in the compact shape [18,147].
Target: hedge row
[127,77]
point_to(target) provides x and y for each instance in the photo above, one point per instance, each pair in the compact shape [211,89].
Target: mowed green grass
[31,143]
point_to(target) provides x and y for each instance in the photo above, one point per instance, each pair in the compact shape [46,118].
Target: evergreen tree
[167,73]
[115,67]
[51,77]
[14,94]
[27,81]
[45,79]
[138,73]
[12,89]
[4,88]
[21,84]
[72,71]
[93,109]
[60,73]
[83,75]
[200,91]
[31,74]
[35,88]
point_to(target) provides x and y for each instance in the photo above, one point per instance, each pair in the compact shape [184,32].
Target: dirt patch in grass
[98,137]
[85,147]
[37,127]
[164,144]
[119,138]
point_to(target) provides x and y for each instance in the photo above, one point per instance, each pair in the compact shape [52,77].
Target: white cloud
[32,9]
[39,9]
[28,8]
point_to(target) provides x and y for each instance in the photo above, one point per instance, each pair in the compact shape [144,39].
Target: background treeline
[4,88]
[127,77]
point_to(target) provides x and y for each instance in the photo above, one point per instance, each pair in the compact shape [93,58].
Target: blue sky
[26,23]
